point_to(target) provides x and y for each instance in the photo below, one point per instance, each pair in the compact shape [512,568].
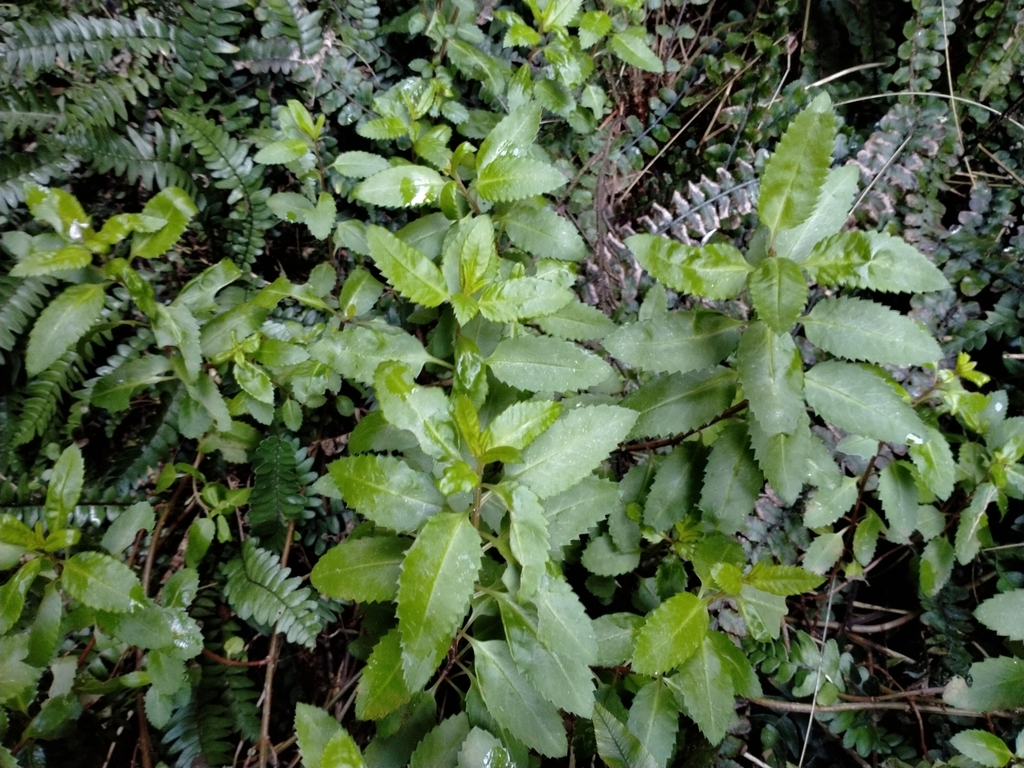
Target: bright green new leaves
[421,410]
[364,569]
[403,186]
[12,594]
[522,299]
[829,215]
[411,273]
[706,689]
[1004,614]
[323,743]
[671,634]
[470,259]
[934,463]
[356,352]
[860,401]
[716,271]
[676,342]
[796,171]
[520,424]
[173,205]
[100,581]
[513,135]
[973,523]
[543,364]
[514,704]
[65,487]
[783,580]
[66,319]
[670,405]
[510,177]
[982,747]
[858,329]
[778,292]
[571,448]
[114,390]
[58,208]
[433,592]
[772,375]
[386,490]
[630,45]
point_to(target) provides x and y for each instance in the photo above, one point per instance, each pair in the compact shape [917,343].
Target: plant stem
[266,747]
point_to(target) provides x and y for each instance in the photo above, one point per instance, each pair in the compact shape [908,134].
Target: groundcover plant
[318,455]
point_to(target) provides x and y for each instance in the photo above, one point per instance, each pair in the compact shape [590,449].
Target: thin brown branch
[232,662]
[779,705]
[652,445]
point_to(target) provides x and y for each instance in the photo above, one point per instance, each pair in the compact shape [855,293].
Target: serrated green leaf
[736,665]
[1002,614]
[440,748]
[898,267]
[571,448]
[45,634]
[616,745]
[795,173]
[362,569]
[573,512]
[321,219]
[996,683]
[823,553]
[934,463]
[509,178]
[521,423]
[60,209]
[778,291]
[475,63]
[828,504]
[386,490]
[594,25]
[543,233]
[716,271]
[982,747]
[411,273]
[772,375]
[281,152]
[706,691]
[898,493]
[513,134]
[936,565]
[630,45]
[762,611]
[783,458]
[470,259]
[676,487]
[514,704]
[522,299]
[860,401]
[679,403]
[858,329]
[654,719]
[973,523]
[602,558]
[290,206]
[100,581]
[382,687]
[542,364]
[323,743]
[577,322]
[13,592]
[432,146]
[424,411]
[356,352]
[57,260]
[481,748]
[839,259]
[675,343]
[64,321]
[402,186]
[784,580]
[830,213]
[732,482]
[173,205]
[114,390]
[671,634]
[359,165]
[433,592]
[122,532]
[65,487]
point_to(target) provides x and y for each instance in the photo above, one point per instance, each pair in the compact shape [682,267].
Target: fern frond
[275,494]
[25,110]
[18,168]
[927,34]
[205,28]
[200,730]
[44,394]
[996,54]
[21,299]
[258,588]
[299,24]
[238,695]
[278,55]
[37,45]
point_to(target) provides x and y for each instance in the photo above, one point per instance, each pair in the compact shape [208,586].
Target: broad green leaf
[542,364]
[676,487]
[736,665]
[675,343]
[356,352]
[772,375]
[1004,614]
[481,748]
[386,490]
[440,748]
[200,536]
[321,219]
[290,206]
[362,569]
[654,719]
[615,633]
[424,411]
[559,13]
[432,146]
[858,400]
[55,712]
[577,322]
[13,592]
[114,390]
[974,523]
[543,233]
[470,258]
[475,63]
[594,25]
[934,463]
[828,504]
[65,486]
[823,553]
[528,533]
[762,611]
[732,482]
[512,135]
[521,423]
[564,624]
[173,205]
[573,512]
[220,335]
[571,448]
[716,271]
[174,326]
[671,634]
[45,634]
[514,704]
[382,687]
[616,745]
[359,293]
[64,321]
[858,329]
[411,273]
[60,209]
[898,267]
[829,215]
[796,171]
[602,558]
[630,45]
[254,381]
[996,683]
[359,165]
[778,291]
[898,492]
[982,747]
[402,186]
[433,592]
[323,743]
[509,177]
[678,403]
[281,152]
[100,581]
[782,580]
[522,299]
[783,458]
[936,565]
[342,752]
[706,691]
[57,260]
[121,533]
[839,259]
